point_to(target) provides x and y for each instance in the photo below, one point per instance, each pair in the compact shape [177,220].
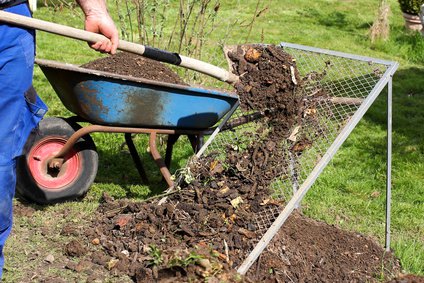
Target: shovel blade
[236,50]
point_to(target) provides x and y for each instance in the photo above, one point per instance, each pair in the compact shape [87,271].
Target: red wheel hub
[50,178]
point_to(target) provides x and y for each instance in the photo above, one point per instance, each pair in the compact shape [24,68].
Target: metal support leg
[294,174]
[389,162]
[172,139]
[195,141]
[159,161]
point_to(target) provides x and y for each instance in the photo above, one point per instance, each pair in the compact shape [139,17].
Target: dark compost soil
[128,64]
[207,229]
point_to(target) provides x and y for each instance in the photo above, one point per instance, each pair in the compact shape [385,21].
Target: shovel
[139,49]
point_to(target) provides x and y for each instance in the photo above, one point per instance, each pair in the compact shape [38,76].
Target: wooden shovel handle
[146,51]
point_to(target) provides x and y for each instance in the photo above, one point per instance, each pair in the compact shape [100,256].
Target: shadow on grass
[407,105]
[334,19]
[119,169]
[407,122]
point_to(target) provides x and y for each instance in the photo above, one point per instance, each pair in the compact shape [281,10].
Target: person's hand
[103,24]
[97,20]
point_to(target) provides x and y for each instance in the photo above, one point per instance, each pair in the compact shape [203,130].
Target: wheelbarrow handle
[146,51]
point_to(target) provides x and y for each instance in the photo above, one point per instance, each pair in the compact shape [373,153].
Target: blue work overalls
[19,112]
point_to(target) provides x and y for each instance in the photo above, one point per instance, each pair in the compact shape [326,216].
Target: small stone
[49,258]
[205,263]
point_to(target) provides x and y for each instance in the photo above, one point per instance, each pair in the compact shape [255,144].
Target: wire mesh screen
[333,88]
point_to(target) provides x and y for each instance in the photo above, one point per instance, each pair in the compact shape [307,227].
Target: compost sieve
[337,91]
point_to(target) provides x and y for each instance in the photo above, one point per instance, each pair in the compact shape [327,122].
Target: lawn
[350,193]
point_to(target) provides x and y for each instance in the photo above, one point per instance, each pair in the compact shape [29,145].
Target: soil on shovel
[268,84]
[205,230]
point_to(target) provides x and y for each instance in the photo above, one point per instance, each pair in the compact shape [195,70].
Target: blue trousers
[19,111]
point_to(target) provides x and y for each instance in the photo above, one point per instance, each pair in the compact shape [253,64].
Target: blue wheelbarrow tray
[114,100]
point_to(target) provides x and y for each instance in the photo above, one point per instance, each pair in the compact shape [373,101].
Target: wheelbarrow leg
[136,158]
[172,139]
[159,161]
[196,142]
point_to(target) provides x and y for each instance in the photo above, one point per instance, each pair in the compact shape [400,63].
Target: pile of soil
[185,242]
[206,229]
[128,64]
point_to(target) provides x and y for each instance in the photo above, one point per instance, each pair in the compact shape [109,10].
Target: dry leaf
[112,263]
[293,135]
[236,202]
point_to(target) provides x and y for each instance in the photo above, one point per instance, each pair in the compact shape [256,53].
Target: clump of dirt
[128,64]
[74,248]
[206,229]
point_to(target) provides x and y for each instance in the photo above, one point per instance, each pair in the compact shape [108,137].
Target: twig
[129,19]
[227,254]
[258,265]
[164,195]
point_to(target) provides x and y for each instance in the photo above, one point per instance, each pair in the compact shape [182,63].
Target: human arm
[98,20]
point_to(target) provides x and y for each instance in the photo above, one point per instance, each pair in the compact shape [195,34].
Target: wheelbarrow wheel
[41,184]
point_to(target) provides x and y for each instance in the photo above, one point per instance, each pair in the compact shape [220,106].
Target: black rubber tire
[85,153]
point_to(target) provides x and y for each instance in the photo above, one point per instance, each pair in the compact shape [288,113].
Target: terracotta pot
[412,22]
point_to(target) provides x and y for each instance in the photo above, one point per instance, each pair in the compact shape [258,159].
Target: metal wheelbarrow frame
[114,104]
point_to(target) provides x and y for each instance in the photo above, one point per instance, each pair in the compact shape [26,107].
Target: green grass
[351,191]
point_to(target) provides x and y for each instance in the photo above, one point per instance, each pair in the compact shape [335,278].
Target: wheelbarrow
[60,161]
